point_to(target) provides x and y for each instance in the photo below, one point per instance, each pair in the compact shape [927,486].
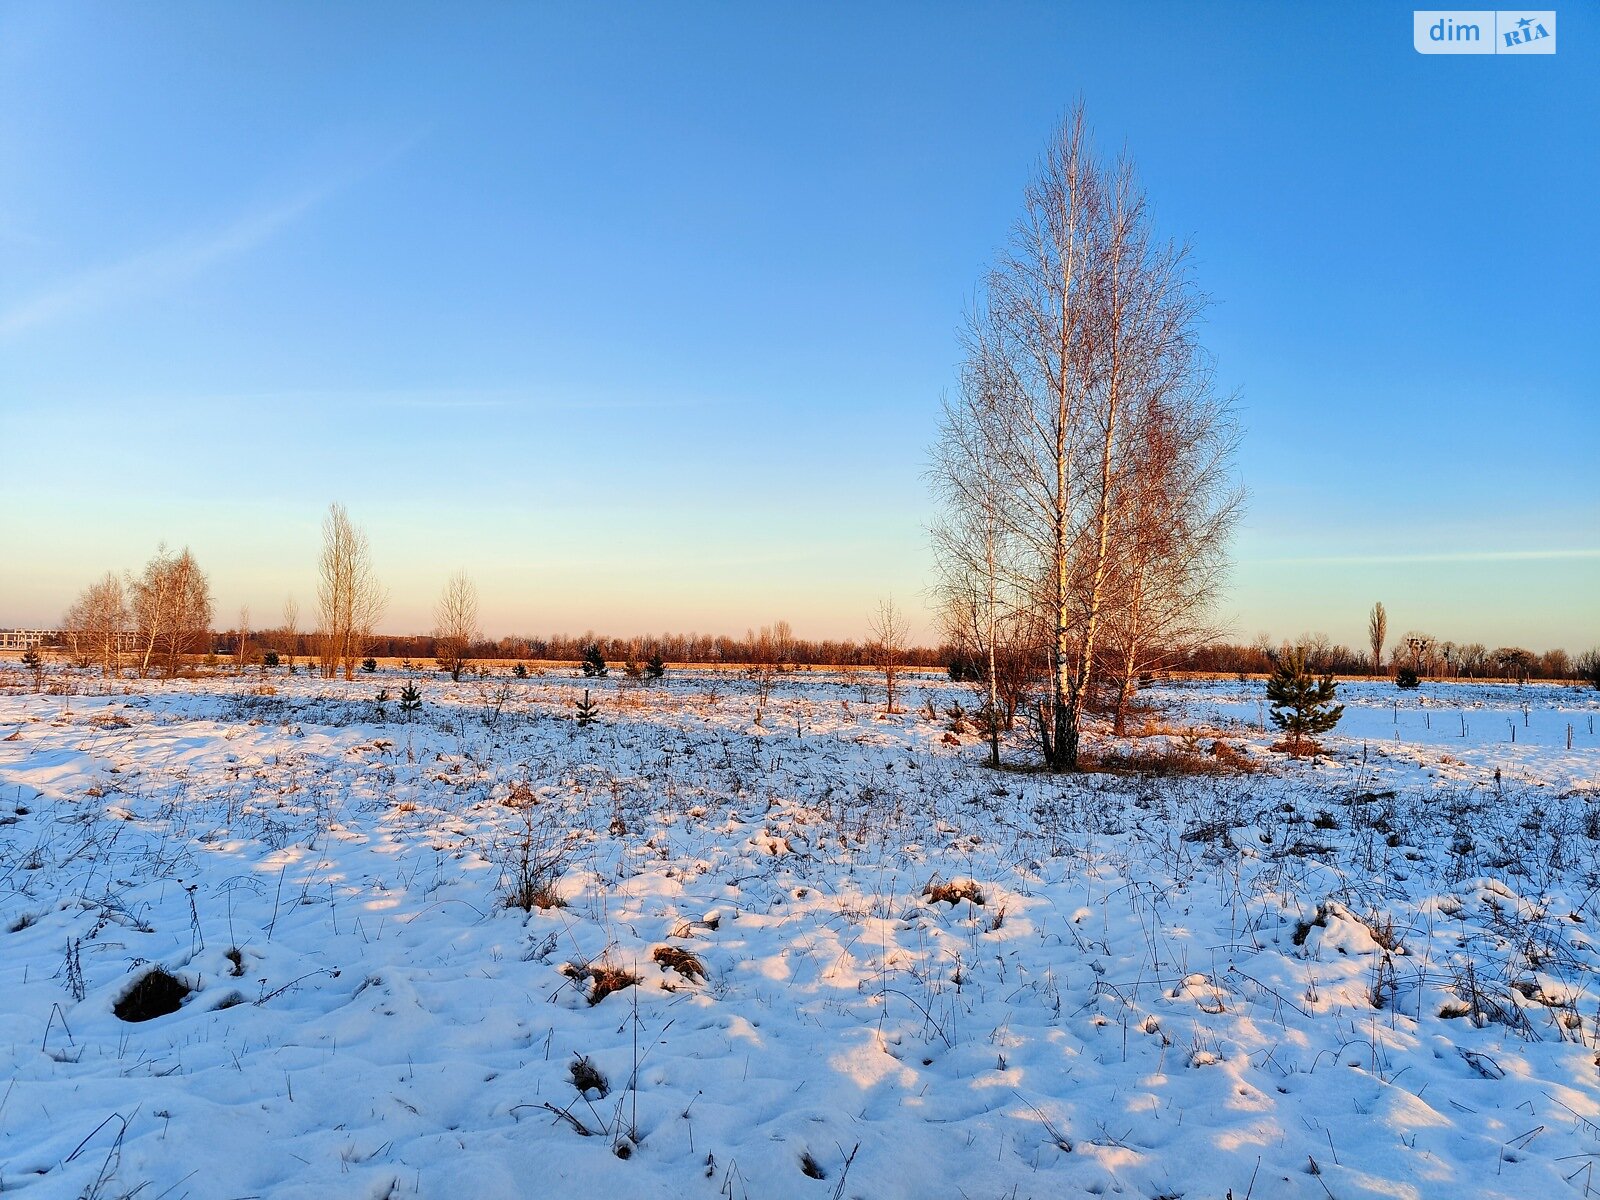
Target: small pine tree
[381,699]
[656,667]
[520,670]
[1405,678]
[1302,706]
[587,710]
[369,664]
[410,700]
[594,664]
[269,659]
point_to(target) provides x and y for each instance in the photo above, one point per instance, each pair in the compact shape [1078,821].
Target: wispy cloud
[530,399]
[1448,556]
[170,264]
[153,270]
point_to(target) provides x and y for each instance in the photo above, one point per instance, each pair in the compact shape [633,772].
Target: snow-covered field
[1370,975]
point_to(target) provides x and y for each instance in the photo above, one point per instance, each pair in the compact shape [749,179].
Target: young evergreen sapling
[1302,706]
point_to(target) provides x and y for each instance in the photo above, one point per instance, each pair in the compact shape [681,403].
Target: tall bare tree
[97,620]
[242,644]
[349,597]
[1084,320]
[782,642]
[291,629]
[455,623]
[1377,634]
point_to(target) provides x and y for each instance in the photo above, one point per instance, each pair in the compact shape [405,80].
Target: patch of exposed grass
[156,994]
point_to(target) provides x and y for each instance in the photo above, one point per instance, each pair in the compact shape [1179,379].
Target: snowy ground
[1370,975]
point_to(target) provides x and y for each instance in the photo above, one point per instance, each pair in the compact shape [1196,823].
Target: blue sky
[641,315]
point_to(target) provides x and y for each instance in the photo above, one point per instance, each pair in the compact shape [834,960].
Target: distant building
[27,639]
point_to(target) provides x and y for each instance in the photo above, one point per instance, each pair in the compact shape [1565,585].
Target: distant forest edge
[1434,659]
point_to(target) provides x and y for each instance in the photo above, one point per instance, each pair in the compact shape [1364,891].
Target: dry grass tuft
[520,795]
[671,958]
[1221,759]
[1232,758]
[953,892]
[529,894]
[587,1076]
[603,979]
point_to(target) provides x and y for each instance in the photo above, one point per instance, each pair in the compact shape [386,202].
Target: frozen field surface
[867,966]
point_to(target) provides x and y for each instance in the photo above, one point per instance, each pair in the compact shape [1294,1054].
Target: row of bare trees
[1085,462]
[163,615]
[159,617]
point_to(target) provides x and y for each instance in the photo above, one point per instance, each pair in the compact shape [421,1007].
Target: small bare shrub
[534,858]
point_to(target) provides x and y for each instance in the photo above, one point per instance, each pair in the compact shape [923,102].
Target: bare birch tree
[455,623]
[1028,339]
[171,608]
[97,621]
[242,646]
[974,555]
[1084,320]
[349,597]
[1171,531]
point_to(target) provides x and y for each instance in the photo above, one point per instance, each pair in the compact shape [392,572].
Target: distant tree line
[754,648]
[161,618]
[1429,657]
